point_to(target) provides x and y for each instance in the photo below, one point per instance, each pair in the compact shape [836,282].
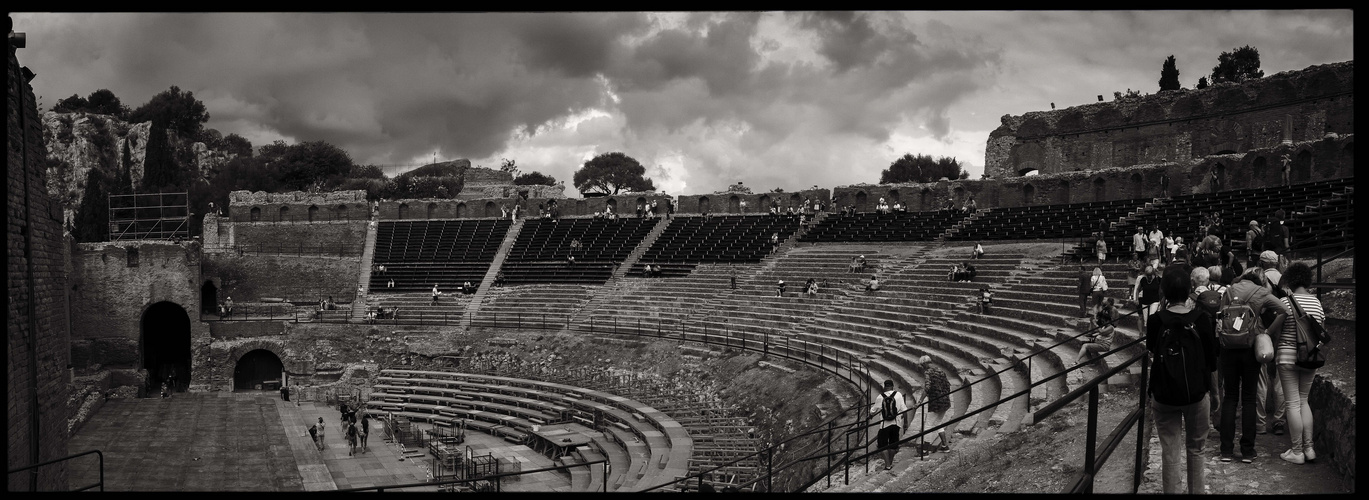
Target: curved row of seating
[511,407]
[1072,220]
[872,226]
[600,239]
[721,238]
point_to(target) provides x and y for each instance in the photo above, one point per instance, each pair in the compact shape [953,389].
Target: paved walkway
[331,468]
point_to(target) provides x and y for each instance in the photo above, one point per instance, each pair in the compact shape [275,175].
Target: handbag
[1264,348]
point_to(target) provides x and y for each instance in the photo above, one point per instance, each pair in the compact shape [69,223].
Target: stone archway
[860,200]
[1302,167]
[313,212]
[255,214]
[209,297]
[704,205]
[491,210]
[460,210]
[164,345]
[1137,186]
[893,196]
[403,210]
[284,213]
[734,205]
[255,367]
[1028,194]
[612,204]
[1100,189]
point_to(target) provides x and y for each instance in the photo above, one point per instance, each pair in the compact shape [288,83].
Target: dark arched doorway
[403,210]
[611,204]
[1302,167]
[460,210]
[491,210]
[166,345]
[432,210]
[860,200]
[704,205]
[209,297]
[256,367]
[255,214]
[734,205]
[1100,189]
[313,212]
[284,213]
[1028,194]
[1137,186]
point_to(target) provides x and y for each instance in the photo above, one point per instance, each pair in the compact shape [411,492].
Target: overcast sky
[703,100]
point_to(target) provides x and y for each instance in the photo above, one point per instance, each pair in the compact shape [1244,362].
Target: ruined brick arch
[1260,167]
[795,200]
[313,211]
[1062,193]
[460,210]
[284,212]
[704,205]
[612,203]
[235,355]
[893,196]
[1100,189]
[254,214]
[959,195]
[1302,166]
[641,201]
[403,210]
[763,203]
[860,199]
[164,338]
[432,210]
[734,204]
[1028,194]
[1137,185]
[491,210]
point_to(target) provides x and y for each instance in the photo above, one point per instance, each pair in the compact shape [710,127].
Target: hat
[781,282]
[1269,256]
[1254,223]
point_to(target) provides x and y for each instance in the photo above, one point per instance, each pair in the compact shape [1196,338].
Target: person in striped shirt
[1296,380]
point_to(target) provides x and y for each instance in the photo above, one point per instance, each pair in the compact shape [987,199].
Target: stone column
[1288,129]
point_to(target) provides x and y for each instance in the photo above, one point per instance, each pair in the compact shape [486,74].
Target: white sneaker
[1294,457]
[1309,454]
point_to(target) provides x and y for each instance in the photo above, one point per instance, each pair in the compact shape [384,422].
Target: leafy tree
[366,172]
[176,110]
[104,102]
[1239,65]
[922,168]
[1202,82]
[1169,75]
[212,138]
[311,165]
[534,178]
[92,217]
[509,166]
[610,173]
[71,104]
[777,190]
[236,144]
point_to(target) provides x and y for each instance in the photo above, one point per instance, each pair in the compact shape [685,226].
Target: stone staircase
[1086,249]
[473,306]
[961,225]
[368,251]
[647,241]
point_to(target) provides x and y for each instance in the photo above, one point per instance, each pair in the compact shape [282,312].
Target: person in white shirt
[893,414]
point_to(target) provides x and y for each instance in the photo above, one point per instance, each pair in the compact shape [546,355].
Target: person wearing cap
[1240,373]
[1268,268]
[779,289]
[861,264]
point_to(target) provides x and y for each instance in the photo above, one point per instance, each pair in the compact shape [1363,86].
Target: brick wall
[423,209]
[37,379]
[724,203]
[109,295]
[250,277]
[344,236]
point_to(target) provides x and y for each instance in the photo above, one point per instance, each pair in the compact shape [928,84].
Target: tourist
[855,262]
[1269,377]
[641,208]
[351,435]
[321,442]
[1138,243]
[1297,380]
[779,289]
[1100,339]
[1085,288]
[1168,247]
[873,285]
[968,272]
[1254,243]
[973,206]
[860,264]
[435,293]
[774,242]
[365,430]
[978,251]
[284,393]
[313,435]
[1276,237]
[1287,169]
[893,414]
[229,303]
[936,394]
[743,206]
[1101,248]
[1146,294]
[1098,285]
[985,300]
[391,284]
[812,288]
[1239,368]
[1179,383]
[570,260]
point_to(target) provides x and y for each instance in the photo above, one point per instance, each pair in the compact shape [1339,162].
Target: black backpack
[890,408]
[1180,375]
[1311,337]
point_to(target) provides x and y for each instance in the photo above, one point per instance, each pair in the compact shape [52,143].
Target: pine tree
[1169,75]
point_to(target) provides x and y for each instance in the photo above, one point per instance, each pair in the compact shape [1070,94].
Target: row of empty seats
[897,226]
[1073,220]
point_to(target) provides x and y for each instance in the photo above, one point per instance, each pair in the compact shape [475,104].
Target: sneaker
[1278,428]
[1309,454]
[944,448]
[1227,456]
[1294,457]
[1261,430]
[1248,457]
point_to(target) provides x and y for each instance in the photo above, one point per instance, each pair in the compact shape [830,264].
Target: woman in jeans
[1296,380]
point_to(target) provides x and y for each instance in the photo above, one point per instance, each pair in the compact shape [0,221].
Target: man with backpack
[1238,324]
[1254,243]
[1207,296]
[893,412]
[1181,340]
[1276,237]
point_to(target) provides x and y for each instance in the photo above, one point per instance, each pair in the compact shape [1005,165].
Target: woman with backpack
[1296,374]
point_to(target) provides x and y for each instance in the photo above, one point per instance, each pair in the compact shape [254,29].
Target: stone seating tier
[439,240]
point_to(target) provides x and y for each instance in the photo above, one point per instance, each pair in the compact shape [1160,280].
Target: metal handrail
[495,477]
[98,454]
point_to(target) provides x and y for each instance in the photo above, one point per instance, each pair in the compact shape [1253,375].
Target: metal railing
[299,250]
[497,479]
[34,469]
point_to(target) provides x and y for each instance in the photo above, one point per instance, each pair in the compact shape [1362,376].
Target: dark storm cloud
[848,39]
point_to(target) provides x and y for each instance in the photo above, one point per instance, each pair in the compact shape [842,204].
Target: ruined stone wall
[625,203]
[251,277]
[1329,157]
[110,290]
[298,206]
[730,202]
[1175,126]
[319,355]
[37,379]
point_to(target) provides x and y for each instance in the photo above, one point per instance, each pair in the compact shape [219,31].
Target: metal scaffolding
[149,216]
